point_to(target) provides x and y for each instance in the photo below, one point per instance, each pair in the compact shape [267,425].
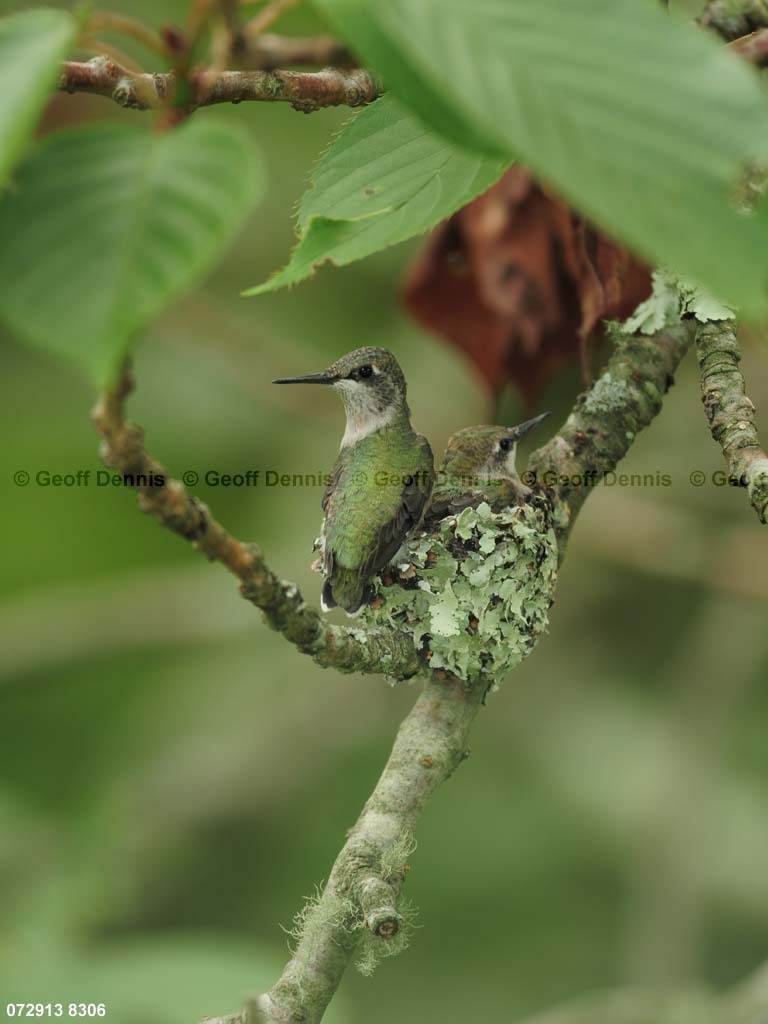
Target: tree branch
[124,25]
[605,421]
[730,413]
[358,909]
[359,914]
[339,647]
[431,743]
[304,90]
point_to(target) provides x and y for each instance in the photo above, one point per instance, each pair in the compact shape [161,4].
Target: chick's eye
[365,371]
[505,444]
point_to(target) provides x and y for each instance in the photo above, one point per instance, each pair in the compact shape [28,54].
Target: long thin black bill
[309,378]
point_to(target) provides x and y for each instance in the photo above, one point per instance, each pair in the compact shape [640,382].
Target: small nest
[476,593]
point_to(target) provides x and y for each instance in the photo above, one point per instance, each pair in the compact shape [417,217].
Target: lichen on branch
[605,421]
[730,413]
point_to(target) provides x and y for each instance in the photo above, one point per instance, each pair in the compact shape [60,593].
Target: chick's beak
[523,428]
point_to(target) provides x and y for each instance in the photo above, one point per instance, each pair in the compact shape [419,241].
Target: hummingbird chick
[381,480]
[479,465]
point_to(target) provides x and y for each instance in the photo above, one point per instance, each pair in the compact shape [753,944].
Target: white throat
[364,414]
[510,462]
[361,423]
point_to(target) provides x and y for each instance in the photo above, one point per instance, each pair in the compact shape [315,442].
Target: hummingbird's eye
[365,371]
[505,444]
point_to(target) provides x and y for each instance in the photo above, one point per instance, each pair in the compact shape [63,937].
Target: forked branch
[359,913]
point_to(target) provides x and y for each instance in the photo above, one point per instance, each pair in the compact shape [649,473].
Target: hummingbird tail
[345,591]
[327,600]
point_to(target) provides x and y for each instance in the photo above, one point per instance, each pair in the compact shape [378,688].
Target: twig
[431,743]
[304,90]
[125,26]
[270,51]
[229,10]
[267,17]
[605,421]
[200,13]
[91,44]
[730,413]
[227,40]
[339,647]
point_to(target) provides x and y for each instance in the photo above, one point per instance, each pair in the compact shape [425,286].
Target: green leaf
[642,121]
[31,46]
[110,224]
[385,178]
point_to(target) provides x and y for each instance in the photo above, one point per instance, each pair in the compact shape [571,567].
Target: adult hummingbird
[479,465]
[381,480]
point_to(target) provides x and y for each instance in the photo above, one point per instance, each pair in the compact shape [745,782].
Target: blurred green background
[174,778]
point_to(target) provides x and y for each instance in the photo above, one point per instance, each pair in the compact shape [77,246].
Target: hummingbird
[479,465]
[381,480]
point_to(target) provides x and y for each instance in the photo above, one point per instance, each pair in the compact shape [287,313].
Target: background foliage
[174,778]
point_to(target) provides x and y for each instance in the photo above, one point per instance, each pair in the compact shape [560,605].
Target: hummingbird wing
[325,550]
[448,505]
[332,483]
[413,501]
[365,525]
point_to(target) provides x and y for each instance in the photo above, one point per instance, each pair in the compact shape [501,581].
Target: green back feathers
[379,489]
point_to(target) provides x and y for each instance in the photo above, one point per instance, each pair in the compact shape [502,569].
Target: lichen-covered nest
[476,593]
